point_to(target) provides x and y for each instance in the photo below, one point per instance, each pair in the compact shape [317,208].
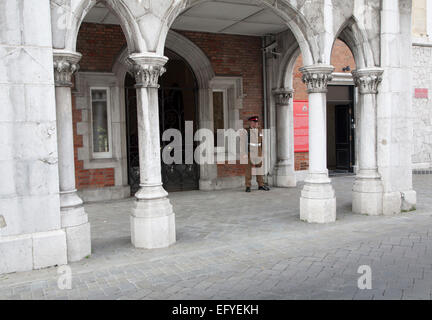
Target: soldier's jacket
[255,146]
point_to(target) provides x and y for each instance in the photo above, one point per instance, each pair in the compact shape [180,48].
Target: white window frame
[101,155]
[233,100]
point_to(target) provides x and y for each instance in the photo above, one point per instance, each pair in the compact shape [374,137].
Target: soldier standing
[255,140]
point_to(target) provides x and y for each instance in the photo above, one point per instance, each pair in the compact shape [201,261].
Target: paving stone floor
[233,245]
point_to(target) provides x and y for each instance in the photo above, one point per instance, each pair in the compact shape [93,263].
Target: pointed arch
[356,39]
[127,21]
[294,19]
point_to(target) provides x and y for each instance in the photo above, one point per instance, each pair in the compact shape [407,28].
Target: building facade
[422,85]
[89,89]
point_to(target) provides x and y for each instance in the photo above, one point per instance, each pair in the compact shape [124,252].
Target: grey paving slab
[233,245]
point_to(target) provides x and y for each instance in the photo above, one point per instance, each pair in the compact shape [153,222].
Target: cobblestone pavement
[233,245]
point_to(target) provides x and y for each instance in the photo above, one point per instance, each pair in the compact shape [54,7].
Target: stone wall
[30,234]
[422,111]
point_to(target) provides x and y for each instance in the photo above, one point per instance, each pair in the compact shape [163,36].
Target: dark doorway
[177,104]
[340,129]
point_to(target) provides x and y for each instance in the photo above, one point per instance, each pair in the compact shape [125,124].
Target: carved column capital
[65,65]
[317,77]
[283,96]
[367,80]
[147,69]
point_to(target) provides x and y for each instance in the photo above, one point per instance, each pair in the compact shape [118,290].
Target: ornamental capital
[147,69]
[317,77]
[367,80]
[283,96]
[65,65]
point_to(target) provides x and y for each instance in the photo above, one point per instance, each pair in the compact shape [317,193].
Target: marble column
[74,219]
[368,188]
[285,172]
[152,219]
[317,202]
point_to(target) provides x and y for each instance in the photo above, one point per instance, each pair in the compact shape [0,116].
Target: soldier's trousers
[248,176]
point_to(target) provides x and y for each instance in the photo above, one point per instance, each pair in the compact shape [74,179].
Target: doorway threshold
[338,173]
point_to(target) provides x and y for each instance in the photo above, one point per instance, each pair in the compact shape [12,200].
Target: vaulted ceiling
[243,17]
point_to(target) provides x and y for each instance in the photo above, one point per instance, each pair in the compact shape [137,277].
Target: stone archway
[299,25]
[203,71]
[70,20]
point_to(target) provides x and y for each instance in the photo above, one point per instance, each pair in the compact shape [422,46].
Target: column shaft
[149,141]
[367,123]
[285,173]
[317,133]
[65,141]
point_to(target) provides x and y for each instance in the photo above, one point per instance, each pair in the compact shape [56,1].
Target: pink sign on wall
[301,126]
[421,93]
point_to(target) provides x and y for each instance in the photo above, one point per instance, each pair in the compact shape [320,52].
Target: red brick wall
[341,57]
[94,178]
[100,45]
[232,55]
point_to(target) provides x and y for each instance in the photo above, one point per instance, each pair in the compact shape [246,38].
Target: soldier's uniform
[255,157]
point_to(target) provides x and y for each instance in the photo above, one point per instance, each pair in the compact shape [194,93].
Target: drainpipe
[265,117]
[264,71]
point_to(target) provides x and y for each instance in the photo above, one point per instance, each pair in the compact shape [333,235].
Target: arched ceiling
[242,17]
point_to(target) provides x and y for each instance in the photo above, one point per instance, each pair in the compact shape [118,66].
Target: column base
[153,222]
[77,228]
[367,197]
[78,240]
[285,177]
[397,202]
[318,202]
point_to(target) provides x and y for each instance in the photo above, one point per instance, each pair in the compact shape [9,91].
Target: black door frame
[352,111]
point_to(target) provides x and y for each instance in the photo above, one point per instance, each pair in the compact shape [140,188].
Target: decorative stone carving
[367,80]
[317,77]
[65,65]
[147,69]
[283,96]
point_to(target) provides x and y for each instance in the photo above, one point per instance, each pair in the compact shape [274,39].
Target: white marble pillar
[74,219]
[317,202]
[285,171]
[368,188]
[152,219]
